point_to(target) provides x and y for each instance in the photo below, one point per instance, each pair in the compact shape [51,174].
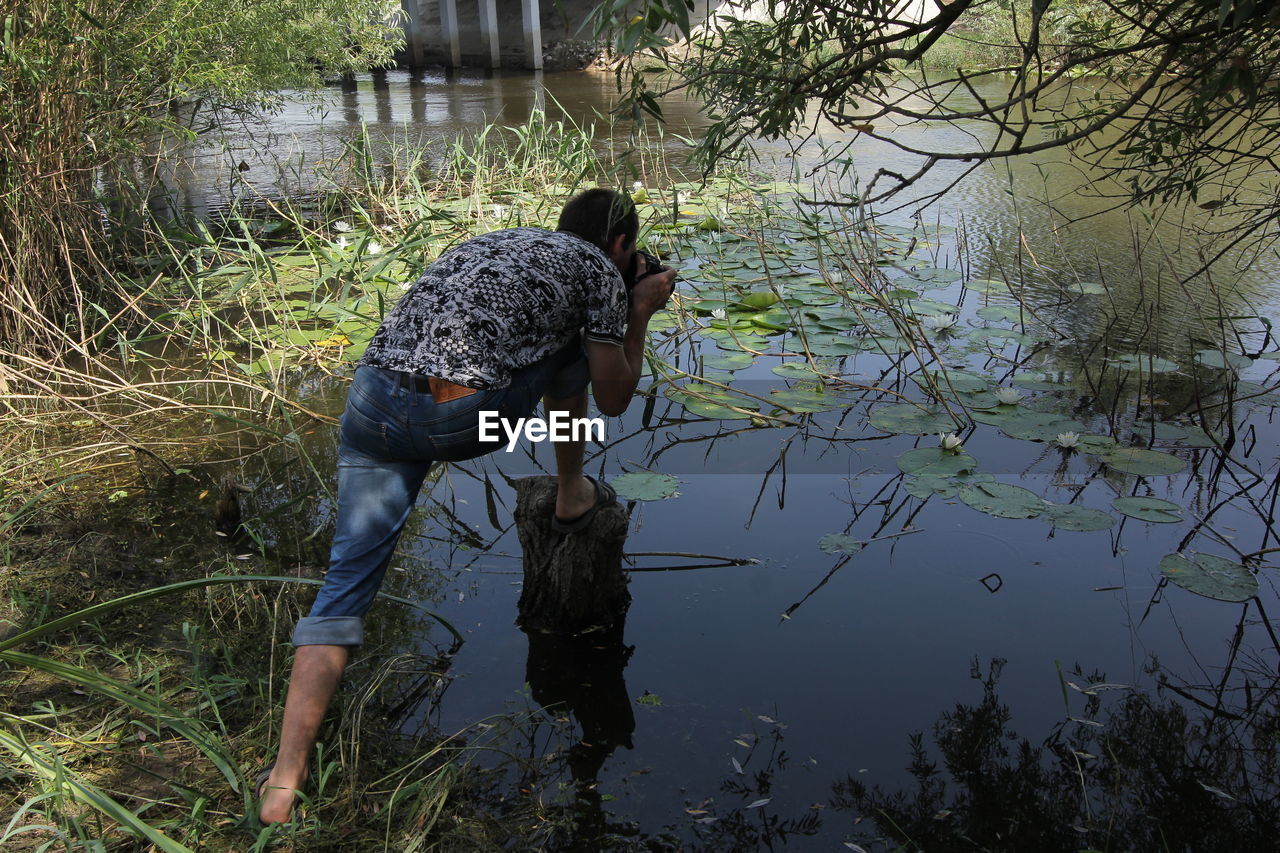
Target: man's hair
[599,216]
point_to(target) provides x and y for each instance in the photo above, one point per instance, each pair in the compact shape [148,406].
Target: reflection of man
[492,325]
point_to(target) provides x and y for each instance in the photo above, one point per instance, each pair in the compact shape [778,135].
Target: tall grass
[109,739]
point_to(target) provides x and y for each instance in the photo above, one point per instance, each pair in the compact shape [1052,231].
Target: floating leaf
[832,345]
[803,400]
[1002,500]
[958,380]
[1223,360]
[839,543]
[729,360]
[794,370]
[987,285]
[1001,313]
[759,300]
[1147,463]
[925,486]
[1210,576]
[1196,437]
[1038,382]
[1159,430]
[1144,363]
[906,419]
[1154,510]
[1038,426]
[1098,445]
[935,462]
[1079,518]
[645,486]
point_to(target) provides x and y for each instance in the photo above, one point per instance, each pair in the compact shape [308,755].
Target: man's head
[605,218]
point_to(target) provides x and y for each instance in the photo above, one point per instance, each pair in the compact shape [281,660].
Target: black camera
[651,266]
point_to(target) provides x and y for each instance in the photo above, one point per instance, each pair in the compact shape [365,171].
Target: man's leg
[576,493]
[316,673]
[374,502]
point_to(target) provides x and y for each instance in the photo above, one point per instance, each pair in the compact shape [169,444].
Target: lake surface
[783,679]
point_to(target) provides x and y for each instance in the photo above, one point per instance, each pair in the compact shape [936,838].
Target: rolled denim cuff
[329,631]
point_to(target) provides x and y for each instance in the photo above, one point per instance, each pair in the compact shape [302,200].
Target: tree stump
[573,583]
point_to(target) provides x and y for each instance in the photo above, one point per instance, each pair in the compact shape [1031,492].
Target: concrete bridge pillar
[449,26]
[489,29]
[532,33]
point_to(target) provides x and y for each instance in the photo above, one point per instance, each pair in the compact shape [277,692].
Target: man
[492,325]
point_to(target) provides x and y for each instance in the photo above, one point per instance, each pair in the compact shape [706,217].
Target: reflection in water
[583,676]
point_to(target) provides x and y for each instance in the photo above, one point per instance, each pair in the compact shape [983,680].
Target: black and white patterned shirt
[500,302]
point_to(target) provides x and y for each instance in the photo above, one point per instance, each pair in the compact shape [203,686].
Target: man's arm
[616,370]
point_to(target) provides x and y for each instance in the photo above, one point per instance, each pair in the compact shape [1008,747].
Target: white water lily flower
[387,228]
[1068,439]
[342,226]
[718,314]
[498,210]
[638,185]
[373,248]
[1008,396]
[681,198]
[940,322]
[950,443]
[343,243]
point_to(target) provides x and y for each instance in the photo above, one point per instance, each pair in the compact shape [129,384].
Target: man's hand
[651,293]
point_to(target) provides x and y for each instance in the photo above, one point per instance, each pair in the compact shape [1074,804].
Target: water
[728,702]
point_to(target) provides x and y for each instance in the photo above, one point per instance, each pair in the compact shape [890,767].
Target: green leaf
[646,486]
[907,419]
[794,370]
[1079,518]
[925,486]
[1143,363]
[1003,500]
[839,543]
[1213,577]
[1153,510]
[935,462]
[1146,463]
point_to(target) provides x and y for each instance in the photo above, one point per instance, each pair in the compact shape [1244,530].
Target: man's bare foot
[276,798]
[572,502]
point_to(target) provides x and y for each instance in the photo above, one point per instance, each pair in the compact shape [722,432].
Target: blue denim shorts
[389,437]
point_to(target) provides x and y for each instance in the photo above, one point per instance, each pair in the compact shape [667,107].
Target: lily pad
[1097,445]
[1196,437]
[839,543]
[1079,518]
[1223,360]
[1039,426]
[645,486]
[959,380]
[729,360]
[925,486]
[987,285]
[935,462]
[906,419]
[1038,382]
[1213,577]
[794,370]
[805,400]
[1146,463]
[832,346]
[1000,313]
[1143,363]
[1153,510]
[1159,430]
[1003,500]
